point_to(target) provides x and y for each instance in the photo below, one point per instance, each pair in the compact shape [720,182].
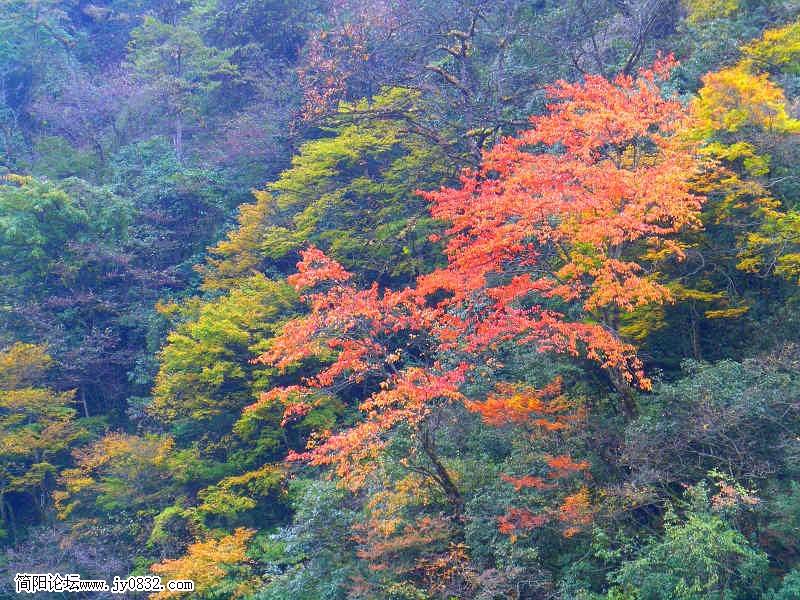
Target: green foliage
[174,528]
[37,223]
[35,38]
[699,558]
[205,378]
[56,160]
[72,277]
[314,559]
[181,209]
[173,61]
[353,193]
[177,54]
[789,589]
[731,417]
[782,535]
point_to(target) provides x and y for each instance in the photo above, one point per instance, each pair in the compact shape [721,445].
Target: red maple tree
[565,215]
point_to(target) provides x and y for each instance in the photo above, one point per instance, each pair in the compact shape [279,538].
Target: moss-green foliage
[206,378]
[352,192]
[172,62]
[699,558]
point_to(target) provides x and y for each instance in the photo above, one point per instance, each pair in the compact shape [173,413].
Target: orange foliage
[521,518]
[564,465]
[573,515]
[540,412]
[206,563]
[576,512]
[450,574]
[572,223]
[566,212]
[440,566]
[526,406]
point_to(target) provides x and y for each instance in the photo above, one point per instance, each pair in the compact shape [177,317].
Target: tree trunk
[625,390]
[179,136]
[444,480]
[85,404]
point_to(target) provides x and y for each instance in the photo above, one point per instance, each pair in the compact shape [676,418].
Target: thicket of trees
[420,300]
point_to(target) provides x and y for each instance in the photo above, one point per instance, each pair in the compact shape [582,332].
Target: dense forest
[371,299]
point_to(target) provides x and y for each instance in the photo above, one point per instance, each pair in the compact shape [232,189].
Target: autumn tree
[743,119]
[37,430]
[776,244]
[544,248]
[209,564]
[579,226]
[118,487]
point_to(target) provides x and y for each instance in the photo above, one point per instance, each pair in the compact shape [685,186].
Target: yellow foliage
[637,325]
[735,99]
[743,116]
[240,255]
[15,179]
[21,365]
[778,47]
[726,313]
[774,245]
[206,563]
[706,10]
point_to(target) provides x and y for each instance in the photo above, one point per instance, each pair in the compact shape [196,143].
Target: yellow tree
[743,115]
[208,563]
[36,433]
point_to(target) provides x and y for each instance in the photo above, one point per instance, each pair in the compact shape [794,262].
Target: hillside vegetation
[432,300]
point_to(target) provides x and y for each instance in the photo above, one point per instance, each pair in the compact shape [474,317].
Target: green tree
[179,70]
[700,557]
[790,588]
[36,40]
[205,376]
[76,274]
[351,192]
[731,417]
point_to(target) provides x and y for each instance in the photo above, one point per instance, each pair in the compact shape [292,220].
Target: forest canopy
[431,300]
